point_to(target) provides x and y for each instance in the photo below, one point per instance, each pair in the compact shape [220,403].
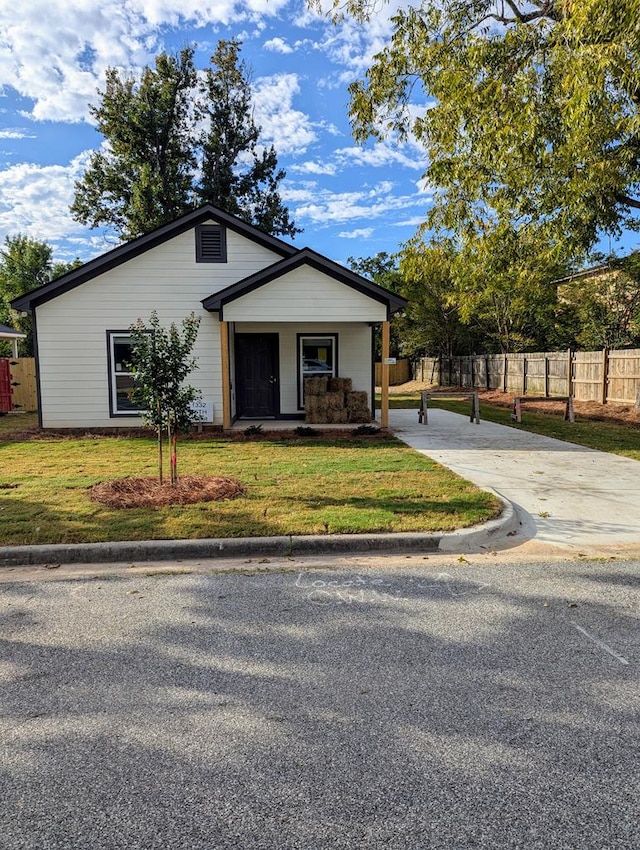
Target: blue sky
[350,200]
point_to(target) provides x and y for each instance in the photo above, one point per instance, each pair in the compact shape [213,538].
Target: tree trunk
[160,448]
[174,459]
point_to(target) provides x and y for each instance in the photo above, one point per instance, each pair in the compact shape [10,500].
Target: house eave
[129,250]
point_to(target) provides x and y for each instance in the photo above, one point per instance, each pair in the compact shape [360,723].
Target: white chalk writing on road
[369,590]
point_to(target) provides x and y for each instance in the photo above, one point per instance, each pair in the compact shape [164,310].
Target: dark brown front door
[257,376]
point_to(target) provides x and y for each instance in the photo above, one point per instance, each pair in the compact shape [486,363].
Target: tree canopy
[528,112]
[175,139]
[25,264]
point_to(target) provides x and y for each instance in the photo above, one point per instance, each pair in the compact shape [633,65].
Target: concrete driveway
[568,497]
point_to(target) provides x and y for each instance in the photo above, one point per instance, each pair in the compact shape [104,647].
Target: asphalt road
[401,703]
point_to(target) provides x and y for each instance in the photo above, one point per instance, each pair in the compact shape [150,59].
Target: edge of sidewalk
[463,540]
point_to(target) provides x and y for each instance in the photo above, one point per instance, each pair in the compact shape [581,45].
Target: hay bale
[337,417]
[340,385]
[335,401]
[315,386]
[315,409]
[358,407]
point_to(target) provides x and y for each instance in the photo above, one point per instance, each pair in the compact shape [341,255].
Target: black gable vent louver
[211,244]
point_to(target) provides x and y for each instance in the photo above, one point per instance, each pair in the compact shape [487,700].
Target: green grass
[293,486]
[12,422]
[605,436]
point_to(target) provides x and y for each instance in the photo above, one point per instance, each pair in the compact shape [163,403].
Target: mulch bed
[149,493]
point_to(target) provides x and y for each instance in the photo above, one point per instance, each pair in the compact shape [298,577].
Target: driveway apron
[567,496]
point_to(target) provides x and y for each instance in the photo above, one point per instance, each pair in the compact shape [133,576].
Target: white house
[271,314]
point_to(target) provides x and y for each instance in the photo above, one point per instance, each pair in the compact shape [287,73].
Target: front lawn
[294,485]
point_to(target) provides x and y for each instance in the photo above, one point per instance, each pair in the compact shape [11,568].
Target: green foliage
[432,323]
[161,360]
[174,141]
[143,177]
[531,113]
[231,136]
[25,264]
[383,270]
[605,307]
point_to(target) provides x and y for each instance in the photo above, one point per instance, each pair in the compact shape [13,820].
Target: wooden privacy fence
[601,376]
[23,383]
[399,373]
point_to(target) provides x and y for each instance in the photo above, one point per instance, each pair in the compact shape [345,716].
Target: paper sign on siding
[203,409]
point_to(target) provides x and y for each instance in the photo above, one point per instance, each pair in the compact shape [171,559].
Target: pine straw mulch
[149,493]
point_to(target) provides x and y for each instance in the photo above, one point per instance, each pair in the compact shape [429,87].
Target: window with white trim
[317,357]
[121,380]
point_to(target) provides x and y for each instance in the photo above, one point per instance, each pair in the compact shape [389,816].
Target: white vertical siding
[72,328]
[354,354]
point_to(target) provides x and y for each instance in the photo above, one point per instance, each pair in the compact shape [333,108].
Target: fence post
[605,375]
[505,368]
[569,373]
[546,376]
[524,375]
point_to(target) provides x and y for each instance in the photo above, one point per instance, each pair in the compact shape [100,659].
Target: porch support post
[226,375]
[384,400]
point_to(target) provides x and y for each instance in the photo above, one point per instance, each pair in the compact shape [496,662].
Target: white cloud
[310,167]
[278,45]
[55,52]
[291,130]
[10,133]
[360,233]
[323,207]
[35,200]
[382,154]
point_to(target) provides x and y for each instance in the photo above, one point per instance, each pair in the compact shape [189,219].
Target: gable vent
[211,244]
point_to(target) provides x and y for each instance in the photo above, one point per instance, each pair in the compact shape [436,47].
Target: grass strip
[293,486]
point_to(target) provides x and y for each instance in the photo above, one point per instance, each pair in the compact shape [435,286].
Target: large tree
[530,112]
[25,264]
[143,176]
[237,173]
[175,139]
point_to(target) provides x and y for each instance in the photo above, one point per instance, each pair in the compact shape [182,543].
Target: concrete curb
[464,540]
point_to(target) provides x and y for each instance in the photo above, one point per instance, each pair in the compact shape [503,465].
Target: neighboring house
[271,314]
[10,335]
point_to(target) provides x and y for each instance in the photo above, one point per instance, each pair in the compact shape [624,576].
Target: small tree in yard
[161,360]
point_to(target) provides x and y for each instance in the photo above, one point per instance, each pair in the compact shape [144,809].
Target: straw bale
[358,417]
[340,385]
[358,407]
[357,399]
[337,416]
[315,386]
[335,401]
[315,408]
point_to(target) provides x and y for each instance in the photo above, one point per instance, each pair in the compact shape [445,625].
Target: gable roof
[305,256]
[138,246]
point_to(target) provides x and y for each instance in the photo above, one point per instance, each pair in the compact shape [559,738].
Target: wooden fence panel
[586,375]
[558,372]
[623,383]
[23,380]
[399,373]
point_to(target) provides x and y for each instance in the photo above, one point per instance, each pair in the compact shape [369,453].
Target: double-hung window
[317,357]
[121,380]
